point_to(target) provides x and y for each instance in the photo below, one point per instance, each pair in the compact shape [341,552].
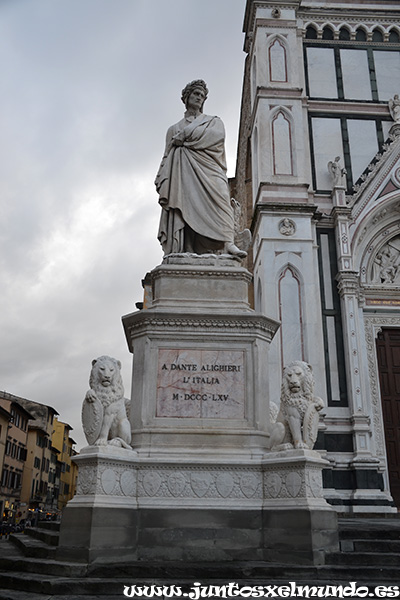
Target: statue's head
[197,84]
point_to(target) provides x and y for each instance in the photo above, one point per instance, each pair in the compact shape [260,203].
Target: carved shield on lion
[310,426]
[92,418]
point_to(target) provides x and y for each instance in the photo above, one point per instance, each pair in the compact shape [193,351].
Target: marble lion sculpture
[105,411]
[295,424]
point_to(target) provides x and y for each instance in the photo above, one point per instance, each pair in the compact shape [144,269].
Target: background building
[5,417]
[15,455]
[68,470]
[36,470]
[318,174]
[36,477]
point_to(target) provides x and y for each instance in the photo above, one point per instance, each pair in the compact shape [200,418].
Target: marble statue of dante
[196,215]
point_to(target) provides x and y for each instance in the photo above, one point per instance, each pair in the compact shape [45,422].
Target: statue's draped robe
[193,186]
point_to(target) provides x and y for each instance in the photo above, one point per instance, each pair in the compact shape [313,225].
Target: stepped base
[270,508]
[70,580]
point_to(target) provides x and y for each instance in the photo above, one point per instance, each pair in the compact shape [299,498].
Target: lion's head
[105,379]
[297,381]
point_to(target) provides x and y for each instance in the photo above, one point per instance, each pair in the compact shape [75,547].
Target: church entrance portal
[388,353]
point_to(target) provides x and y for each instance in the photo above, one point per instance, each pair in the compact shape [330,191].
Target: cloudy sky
[88,89]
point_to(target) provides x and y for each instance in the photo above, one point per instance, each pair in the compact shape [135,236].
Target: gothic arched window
[290,315]
[282,144]
[311,33]
[361,35]
[344,34]
[327,33]
[277,62]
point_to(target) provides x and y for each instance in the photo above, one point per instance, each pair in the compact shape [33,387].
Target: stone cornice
[291,208]
[180,271]
[137,323]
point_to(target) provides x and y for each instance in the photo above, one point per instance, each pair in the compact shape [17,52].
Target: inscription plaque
[201,383]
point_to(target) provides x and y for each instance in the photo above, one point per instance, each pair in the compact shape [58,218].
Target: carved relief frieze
[213,482]
[108,478]
[289,482]
[386,264]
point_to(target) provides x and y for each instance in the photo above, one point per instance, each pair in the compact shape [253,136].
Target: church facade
[318,176]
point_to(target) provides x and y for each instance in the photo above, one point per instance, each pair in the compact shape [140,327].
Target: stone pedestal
[129,508]
[200,375]
[100,522]
[200,484]
[299,525]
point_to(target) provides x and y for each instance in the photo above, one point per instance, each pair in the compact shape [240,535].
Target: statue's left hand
[178,139]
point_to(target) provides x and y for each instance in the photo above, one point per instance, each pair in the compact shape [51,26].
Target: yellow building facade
[63,442]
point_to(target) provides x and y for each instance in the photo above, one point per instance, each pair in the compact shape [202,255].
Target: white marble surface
[200,383]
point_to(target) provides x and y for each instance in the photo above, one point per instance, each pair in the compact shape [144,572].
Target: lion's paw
[115,442]
[100,442]
[301,446]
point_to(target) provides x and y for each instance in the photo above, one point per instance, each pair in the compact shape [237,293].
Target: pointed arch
[394,35]
[361,34]
[344,33]
[291,314]
[378,34]
[377,262]
[328,32]
[282,141]
[311,31]
[278,59]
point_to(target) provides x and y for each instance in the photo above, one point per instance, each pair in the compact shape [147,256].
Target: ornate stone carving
[287,227]
[394,108]
[297,423]
[337,173]
[176,483]
[285,483]
[216,483]
[273,485]
[372,325]
[314,483]
[243,237]
[224,484]
[105,478]
[200,483]
[386,265]
[105,410]
[293,484]
[151,483]
[215,323]
[128,482]
[249,484]
[108,481]
[290,476]
[86,480]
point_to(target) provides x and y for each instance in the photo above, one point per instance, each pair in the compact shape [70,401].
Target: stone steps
[369,555]
[32,547]
[34,583]
[366,559]
[48,536]
[55,585]
[371,545]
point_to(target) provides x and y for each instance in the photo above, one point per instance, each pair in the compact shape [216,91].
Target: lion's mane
[302,398]
[115,391]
